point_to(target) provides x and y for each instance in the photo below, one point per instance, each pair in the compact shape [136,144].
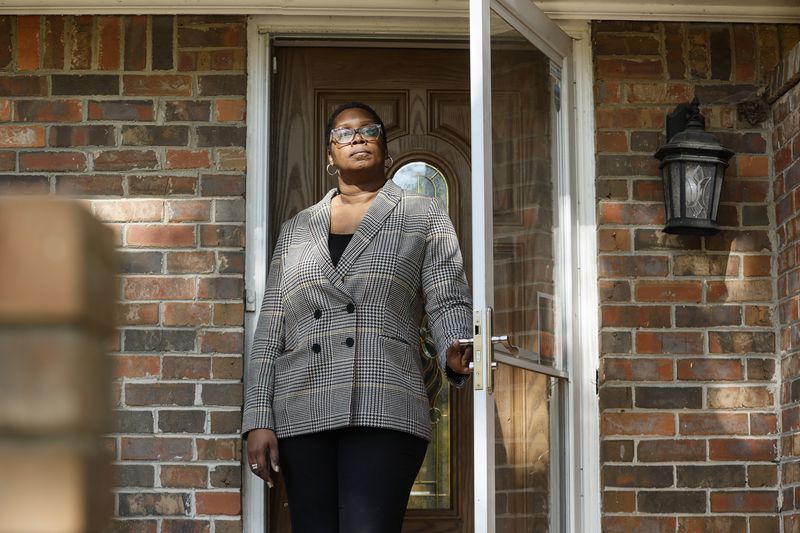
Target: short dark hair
[354,105]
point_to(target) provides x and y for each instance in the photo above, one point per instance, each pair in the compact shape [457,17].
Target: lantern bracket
[679,119]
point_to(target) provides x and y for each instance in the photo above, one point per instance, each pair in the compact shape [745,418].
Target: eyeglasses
[370,132]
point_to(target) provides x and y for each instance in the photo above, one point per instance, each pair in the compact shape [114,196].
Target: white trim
[772,11]
[482,260]
[254,508]
[584,401]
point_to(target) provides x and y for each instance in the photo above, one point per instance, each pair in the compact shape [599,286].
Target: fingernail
[276,467]
[270,484]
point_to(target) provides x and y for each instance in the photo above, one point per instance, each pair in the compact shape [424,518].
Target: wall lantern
[692,165]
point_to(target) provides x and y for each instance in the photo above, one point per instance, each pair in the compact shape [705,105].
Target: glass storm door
[519,65]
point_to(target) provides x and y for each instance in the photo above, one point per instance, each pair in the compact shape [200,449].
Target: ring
[254,466]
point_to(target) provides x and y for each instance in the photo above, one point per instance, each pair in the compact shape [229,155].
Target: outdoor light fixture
[692,165]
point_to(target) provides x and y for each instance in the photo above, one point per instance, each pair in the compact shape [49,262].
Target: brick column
[142,117]
[785,98]
[688,386]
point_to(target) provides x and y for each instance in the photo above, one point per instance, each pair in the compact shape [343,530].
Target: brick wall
[143,118]
[689,387]
[785,97]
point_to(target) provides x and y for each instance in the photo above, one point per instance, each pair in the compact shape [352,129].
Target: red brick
[634,214]
[626,266]
[649,423]
[229,314]
[713,423]
[184,476]
[710,370]
[8,161]
[663,451]
[188,526]
[230,110]
[159,185]
[48,110]
[190,262]
[638,524]
[222,235]
[673,342]
[120,160]
[222,342]
[188,210]
[136,366]
[614,240]
[155,448]
[744,502]
[744,191]
[764,424]
[52,161]
[758,315]
[166,236]
[757,265]
[226,367]
[28,42]
[158,288]
[182,367]
[156,85]
[188,159]
[21,136]
[697,316]
[108,46]
[129,210]
[218,449]
[90,185]
[659,93]
[629,68]
[752,166]
[82,29]
[222,185]
[619,501]
[218,503]
[742,449]
[186,314]
[739,291]
[636,316]
[739,397]
[137,314]
[648,190]
[668,291]
[133,110]
[741,342]
[54,45]
[135,51]
[637,369]
[231,159]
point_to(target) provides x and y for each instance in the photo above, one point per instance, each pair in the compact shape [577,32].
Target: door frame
[583,434]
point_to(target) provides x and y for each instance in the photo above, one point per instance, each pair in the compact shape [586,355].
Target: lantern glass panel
[675,182]
[699,189]
[667,195]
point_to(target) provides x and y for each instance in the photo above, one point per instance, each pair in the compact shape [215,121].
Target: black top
[337,244]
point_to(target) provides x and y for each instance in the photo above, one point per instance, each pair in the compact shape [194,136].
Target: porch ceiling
[686,10]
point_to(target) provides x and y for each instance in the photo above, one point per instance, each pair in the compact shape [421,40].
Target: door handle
[496,339]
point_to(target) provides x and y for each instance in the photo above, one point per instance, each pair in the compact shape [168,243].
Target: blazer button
[317,314]
[316,348]
[351,308]
[349,342]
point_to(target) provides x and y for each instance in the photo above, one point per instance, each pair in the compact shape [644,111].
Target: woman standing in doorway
[335,395]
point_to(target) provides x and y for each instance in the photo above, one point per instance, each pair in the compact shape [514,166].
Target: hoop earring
[328,170]
[389,162]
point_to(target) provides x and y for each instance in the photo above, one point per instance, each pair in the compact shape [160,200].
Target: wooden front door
[422,95]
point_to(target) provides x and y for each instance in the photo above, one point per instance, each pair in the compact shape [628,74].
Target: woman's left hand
[458,358]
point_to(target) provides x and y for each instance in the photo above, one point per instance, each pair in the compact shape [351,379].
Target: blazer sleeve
[448,300]
[268,343]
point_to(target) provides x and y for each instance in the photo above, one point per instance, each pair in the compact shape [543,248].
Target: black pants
[350,480]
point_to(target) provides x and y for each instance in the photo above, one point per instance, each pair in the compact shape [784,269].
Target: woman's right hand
[262,450]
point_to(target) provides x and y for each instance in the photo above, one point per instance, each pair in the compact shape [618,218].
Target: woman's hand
[458,358]
[262,444]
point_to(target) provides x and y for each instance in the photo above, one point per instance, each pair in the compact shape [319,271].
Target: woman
[334,386]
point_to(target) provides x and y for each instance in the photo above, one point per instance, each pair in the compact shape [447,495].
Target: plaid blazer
[339,346]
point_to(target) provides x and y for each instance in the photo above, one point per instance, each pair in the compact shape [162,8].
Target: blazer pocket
[403,356]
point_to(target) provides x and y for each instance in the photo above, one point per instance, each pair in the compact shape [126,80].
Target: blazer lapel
[373,220]
[319,228]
